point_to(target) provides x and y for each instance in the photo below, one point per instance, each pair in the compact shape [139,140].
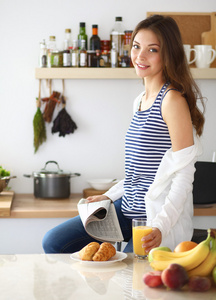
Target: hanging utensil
[63,123]
[38,123]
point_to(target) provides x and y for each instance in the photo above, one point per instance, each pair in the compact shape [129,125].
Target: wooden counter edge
[205,211]
[18,210]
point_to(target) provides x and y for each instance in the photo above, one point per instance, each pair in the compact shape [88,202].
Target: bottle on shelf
[67,41]
[91,58]
[117,36]
[99,59]
[51,47]
[113,56]
[125,60]
[82,35]
[66,58]
[67,46]
[105,52]
[43,55]
[95,43]
[127,39]
[83,54]
[75,54]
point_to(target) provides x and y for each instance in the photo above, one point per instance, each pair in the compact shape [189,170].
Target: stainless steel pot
[51,184]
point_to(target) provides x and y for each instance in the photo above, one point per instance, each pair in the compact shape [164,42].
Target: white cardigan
[169,201]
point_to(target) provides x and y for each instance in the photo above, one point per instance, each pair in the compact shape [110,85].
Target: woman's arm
[176,114]
[114,193]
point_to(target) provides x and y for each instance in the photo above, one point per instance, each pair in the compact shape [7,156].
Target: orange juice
[138,233]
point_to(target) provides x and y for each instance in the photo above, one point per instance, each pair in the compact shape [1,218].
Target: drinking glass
[140,229]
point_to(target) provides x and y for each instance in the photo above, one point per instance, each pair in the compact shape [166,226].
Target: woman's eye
[135,46]
[153,50]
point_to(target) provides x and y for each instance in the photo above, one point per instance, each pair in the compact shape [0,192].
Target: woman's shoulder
[137,100]
[173,98]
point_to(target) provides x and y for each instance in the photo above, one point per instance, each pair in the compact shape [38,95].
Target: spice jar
[91,58]
[57,59]
[105,52]
[127,39]
[125,60]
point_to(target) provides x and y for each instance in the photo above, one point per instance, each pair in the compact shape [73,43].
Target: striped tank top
[146,142]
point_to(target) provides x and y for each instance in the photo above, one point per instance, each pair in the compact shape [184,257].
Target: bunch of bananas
[198,261]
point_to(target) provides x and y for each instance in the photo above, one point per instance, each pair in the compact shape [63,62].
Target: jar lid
[105,42]
[118,18]
[52,38]
[68,30]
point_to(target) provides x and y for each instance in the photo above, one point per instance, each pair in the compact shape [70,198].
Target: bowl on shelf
[102,184]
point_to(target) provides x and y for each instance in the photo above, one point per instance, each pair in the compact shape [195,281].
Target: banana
[161,255]
[206,267]
[190,260]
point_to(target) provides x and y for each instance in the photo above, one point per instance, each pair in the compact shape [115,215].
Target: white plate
[119,256]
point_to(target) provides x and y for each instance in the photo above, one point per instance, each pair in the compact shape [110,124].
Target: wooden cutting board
[92,192]
[209,37]
[6,199]
[196,28]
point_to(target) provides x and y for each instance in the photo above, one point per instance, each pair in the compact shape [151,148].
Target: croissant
[87,252]
[105,252]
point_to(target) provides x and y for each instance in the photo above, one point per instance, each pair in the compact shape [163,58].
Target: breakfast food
[96,252]
[89,251]
[105,252]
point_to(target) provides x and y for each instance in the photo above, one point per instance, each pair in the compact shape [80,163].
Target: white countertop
[57,276]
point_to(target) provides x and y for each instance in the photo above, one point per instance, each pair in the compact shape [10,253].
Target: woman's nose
[142,54]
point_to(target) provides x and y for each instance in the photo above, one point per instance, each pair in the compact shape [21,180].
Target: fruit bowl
[4,182]
[102,184]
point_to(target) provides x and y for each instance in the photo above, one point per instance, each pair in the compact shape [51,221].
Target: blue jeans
[70,236]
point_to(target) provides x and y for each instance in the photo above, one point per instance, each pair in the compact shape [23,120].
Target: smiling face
[145,54]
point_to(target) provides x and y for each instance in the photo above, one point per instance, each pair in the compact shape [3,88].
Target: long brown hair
[175,66]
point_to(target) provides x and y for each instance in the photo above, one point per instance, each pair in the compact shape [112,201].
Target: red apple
[153,279]
[174,277]
[199,284]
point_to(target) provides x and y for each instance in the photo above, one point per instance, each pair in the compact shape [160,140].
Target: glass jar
[117,35]
[75,54]
[125,60]
[105,52]
[91,58]
[57,59]
[127,39]
[51,46]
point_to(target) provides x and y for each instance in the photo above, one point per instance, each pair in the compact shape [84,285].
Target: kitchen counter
[27,206]
[57,276]
[33,217]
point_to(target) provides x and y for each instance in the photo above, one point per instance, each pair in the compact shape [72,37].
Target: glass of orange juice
[140,229]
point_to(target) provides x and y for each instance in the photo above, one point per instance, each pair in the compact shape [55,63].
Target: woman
[161,146]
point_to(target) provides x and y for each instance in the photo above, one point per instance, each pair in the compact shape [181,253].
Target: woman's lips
[141,66]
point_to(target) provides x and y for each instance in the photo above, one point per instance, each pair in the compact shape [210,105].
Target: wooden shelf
[107,73]
[85,73]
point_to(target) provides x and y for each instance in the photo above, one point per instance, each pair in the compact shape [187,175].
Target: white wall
[101,108]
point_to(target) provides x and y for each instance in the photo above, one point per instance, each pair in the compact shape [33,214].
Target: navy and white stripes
[146,142]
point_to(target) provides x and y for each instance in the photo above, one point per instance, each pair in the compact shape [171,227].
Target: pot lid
[51,173]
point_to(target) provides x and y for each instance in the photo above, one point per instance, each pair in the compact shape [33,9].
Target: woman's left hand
[152,240]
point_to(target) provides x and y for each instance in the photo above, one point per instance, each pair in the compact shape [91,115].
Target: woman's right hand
[97,198]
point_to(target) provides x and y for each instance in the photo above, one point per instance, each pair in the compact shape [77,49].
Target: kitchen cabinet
[107,73]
